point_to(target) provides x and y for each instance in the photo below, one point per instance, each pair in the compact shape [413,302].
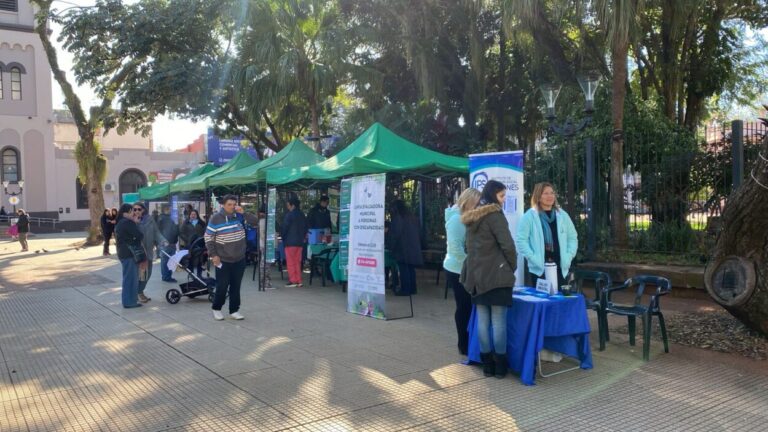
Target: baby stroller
[196,284]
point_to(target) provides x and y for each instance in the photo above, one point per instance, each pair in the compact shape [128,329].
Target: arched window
[11,165]
[15,83]
[81,193]
[131,180]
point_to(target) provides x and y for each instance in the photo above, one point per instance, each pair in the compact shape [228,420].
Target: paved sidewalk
[73,359]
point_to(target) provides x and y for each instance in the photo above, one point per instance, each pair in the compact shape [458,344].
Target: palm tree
[618,18]
[293,49]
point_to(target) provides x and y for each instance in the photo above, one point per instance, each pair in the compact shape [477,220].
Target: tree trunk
[737,276]
[313,107]
[501,132]
[618,221]
[84,127]
[669,66]
[95,198]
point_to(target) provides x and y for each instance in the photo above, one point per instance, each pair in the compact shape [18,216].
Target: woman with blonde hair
[455,234]
[546,234]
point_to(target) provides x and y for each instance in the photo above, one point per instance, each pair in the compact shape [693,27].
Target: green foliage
[90,159]
[149,57]
[670,237]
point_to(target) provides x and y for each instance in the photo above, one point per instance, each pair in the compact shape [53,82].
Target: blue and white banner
[222,150]
[175,208]
[507,168]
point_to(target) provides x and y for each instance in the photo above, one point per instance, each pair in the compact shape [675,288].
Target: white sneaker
[237,316]
[218,316]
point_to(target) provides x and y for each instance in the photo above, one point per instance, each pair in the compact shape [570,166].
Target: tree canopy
[459,75]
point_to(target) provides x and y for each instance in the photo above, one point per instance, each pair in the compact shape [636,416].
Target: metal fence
[675,185]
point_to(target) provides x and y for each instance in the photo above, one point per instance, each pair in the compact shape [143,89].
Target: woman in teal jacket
[455,234]
[546,234]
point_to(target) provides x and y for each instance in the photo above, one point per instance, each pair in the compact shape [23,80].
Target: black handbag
[139,255]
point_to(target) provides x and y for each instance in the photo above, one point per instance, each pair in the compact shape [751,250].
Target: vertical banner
[344,201]
[175,208]
[271,215]
[507,168]
[365,292]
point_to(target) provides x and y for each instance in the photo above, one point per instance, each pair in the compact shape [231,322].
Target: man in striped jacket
[225,240]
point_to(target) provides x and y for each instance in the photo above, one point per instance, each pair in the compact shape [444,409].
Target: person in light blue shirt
[546,234]
[455,234]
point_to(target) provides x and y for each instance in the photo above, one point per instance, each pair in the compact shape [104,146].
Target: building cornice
[17,27]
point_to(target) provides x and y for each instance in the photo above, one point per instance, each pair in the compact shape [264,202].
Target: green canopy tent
[161,191]
[201,182]
[377,150]
[295,154]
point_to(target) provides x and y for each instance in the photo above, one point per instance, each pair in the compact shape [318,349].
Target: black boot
[500,361]
[488,366]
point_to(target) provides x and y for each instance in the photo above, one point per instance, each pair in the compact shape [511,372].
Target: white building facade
[36,143]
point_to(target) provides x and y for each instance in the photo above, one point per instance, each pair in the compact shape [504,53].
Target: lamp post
[13,195]
[568,129]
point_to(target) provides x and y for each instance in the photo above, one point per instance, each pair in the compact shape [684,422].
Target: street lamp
[13,195]
[569,127]
[567,130]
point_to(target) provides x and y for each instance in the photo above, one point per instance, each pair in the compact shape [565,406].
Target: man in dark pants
[225,240]
[170,231]
[23,225]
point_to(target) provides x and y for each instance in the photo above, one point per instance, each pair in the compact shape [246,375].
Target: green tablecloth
[336,272]
[318,248]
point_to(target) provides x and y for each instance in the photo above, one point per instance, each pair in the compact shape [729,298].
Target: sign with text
[507,168]
[365,292]
[175,208]
[157,177]
[344,199]
[271,215]
[543,286]
[222,150]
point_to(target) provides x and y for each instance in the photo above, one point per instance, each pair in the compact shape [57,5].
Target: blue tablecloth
[536,322]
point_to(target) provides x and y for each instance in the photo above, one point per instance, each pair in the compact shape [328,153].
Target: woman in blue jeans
[488,274]
[129,238]
[455,234]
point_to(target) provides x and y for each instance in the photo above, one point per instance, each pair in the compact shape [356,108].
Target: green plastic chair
[646,313]
[320,263]
[601,281]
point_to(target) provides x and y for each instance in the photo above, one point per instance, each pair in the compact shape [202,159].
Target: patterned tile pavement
[71,359]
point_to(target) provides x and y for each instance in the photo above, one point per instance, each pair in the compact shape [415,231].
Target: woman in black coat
[192,229]
[488,274]
[130,251]
[108,223]
[23,225]
[405,244]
